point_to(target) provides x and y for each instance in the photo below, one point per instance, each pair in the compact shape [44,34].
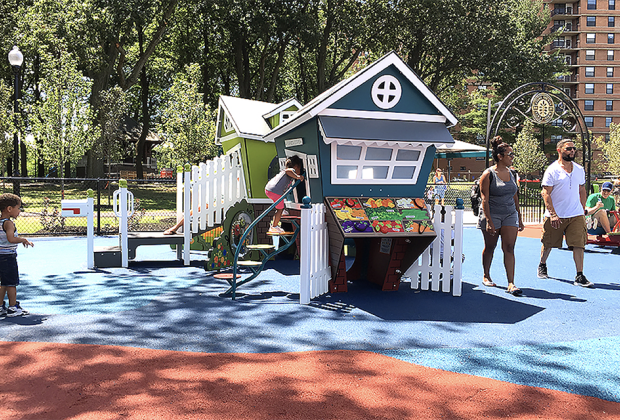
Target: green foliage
[187,125]
[112,111]
[611,149]
[528,156]
[62,119]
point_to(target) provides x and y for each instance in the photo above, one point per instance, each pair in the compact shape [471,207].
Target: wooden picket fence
[213,187]
[440,265]
[314,260]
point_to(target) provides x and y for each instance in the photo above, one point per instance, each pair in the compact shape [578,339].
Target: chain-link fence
[154,205]
[530,201]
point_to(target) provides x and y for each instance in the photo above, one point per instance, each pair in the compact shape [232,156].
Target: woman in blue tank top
[499,213]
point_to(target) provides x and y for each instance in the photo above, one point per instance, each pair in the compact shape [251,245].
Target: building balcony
[562,44]
[567,27]
[563,11]
[570,79]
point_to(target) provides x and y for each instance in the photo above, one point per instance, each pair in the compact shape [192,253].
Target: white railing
[314,260]
[440,265]
[208,191]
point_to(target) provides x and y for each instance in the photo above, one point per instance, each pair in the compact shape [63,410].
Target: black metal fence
[530,201]
[154,204]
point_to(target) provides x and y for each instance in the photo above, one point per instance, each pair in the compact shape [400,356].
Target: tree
[611,149]
[528,156]
[112,112]
[187,126]
[62,119]
[6,123]
[446,41]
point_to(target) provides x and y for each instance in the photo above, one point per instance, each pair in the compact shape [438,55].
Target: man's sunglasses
[570,149]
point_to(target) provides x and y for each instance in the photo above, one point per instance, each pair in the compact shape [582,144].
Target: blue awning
[344,129]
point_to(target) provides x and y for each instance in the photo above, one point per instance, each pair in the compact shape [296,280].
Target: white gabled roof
[335,93]
[246,116]
[281,107]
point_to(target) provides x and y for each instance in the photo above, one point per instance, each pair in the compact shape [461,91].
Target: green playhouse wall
[256,156]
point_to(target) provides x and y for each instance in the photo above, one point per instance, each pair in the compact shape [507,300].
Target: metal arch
[529,89]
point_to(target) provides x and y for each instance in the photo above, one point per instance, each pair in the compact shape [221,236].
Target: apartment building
[589,44]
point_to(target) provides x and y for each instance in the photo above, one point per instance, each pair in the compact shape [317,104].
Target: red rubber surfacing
[74,381]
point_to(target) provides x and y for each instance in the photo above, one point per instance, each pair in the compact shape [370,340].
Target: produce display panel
[381,216]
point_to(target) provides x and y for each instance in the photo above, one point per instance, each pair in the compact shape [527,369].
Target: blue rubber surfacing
[557,336]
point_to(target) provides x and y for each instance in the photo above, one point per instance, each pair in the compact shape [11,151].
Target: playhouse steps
[108,256]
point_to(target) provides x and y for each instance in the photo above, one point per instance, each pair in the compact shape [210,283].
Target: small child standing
[279,184]
[10,206]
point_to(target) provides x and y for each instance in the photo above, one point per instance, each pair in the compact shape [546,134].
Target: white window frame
[360,163]
[304,157]
[287,114]
[590,53]
[228,125]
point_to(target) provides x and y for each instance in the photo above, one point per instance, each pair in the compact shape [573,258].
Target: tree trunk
[144,97]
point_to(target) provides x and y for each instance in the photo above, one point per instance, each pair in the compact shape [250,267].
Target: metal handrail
[251,227]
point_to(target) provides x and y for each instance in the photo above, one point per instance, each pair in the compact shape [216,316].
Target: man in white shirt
[564,194]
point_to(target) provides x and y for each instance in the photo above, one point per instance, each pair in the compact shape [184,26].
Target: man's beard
[568,157]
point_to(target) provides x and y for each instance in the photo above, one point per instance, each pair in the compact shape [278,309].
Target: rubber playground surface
[158,341]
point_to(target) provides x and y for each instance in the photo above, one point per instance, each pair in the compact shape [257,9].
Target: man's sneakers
[581,280]
[542,271]
[16,310]
[3,309]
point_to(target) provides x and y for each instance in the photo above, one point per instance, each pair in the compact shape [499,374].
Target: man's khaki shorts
[574,228]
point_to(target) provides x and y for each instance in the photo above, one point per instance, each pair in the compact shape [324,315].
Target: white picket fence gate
[440,267]
[208,191]
[314,259]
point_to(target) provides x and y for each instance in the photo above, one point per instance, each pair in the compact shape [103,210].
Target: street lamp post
[16,58]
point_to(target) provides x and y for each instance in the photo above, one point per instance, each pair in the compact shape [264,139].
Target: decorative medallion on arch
[386,92]
[543,103]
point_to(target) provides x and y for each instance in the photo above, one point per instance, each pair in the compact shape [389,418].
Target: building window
[591,4]
[228,125]
[590,38]
[611,38]
[610,55]
[589,88]
[609,89]
[610,72]
[611,21]
[589,71]
[375,165]
[609,105]
[589,121]
[611,4]
[591,21]
[607,137]
[589,55]
[588,105]
[607,121]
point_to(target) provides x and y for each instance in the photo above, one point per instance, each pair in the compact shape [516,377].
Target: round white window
[386,92]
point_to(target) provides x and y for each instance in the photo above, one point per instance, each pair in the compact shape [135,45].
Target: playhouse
[367,144]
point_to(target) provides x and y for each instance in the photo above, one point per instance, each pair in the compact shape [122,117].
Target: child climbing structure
[367,145]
